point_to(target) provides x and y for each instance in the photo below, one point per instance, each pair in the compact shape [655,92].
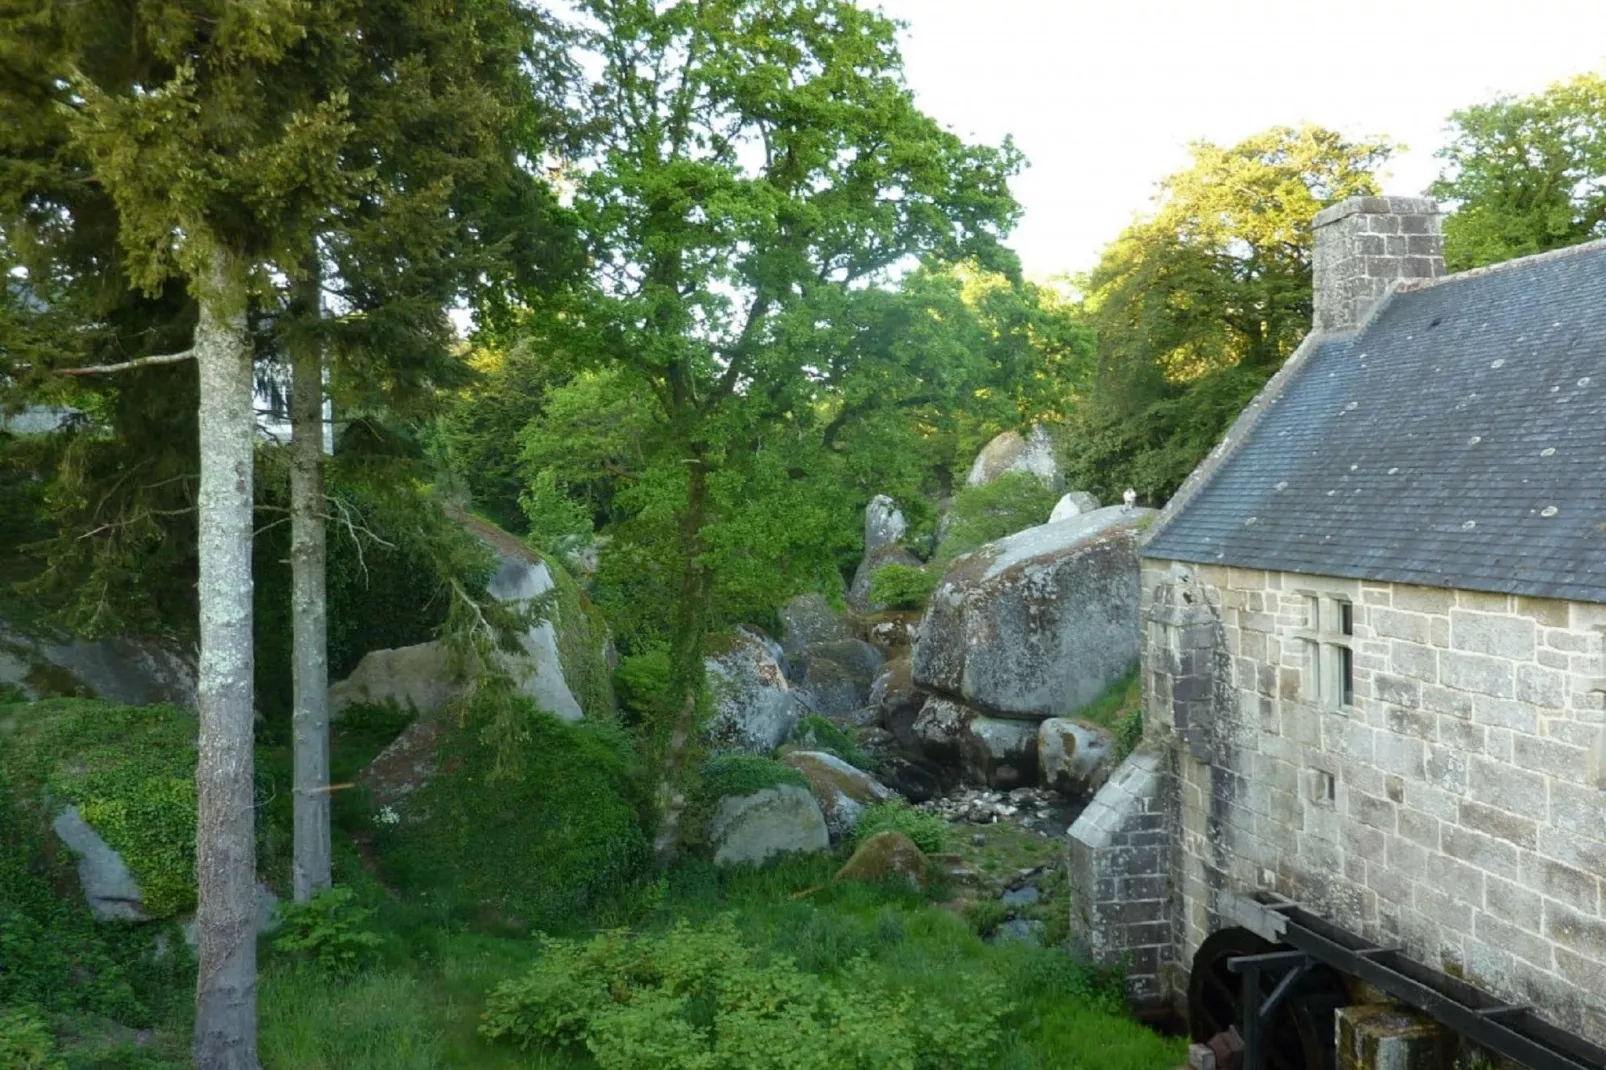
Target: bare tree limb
[127,365]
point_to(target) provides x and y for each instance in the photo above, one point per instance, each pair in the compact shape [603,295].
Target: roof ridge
[1566,251]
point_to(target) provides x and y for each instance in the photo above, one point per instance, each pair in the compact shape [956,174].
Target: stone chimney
[1364,244]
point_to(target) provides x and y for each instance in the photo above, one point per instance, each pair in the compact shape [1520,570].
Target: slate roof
[1458,439]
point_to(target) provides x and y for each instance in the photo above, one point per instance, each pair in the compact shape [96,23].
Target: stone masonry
[1120,870]
[1426,767]
[1365,244]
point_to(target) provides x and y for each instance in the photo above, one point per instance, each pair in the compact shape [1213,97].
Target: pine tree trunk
[309,608]
[225,846]
[686,658]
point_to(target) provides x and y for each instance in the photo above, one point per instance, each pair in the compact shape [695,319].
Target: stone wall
[1120,872]
[1449,802]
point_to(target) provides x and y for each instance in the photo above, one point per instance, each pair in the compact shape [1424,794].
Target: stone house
[1373,625]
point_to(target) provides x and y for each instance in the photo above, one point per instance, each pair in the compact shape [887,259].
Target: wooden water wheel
[1299,1035]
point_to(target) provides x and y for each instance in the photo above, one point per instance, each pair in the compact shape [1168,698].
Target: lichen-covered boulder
[892,632]
[842,790]
[1038,624]
[755,827]
[887,856]
[995,751]
[754,707]
[417,678]
[1073,504]
[563,665]
[1010,452]
[896,699]
[809,619]
[1073,757]
[884,524]
[838,675]
[1000,753]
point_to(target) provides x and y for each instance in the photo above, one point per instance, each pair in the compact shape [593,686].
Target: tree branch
[127,365]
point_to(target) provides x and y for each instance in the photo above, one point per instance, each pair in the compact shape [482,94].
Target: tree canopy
[1525,174]
[1196,306]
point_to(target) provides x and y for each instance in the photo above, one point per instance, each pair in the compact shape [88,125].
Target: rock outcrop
[842,790]
[809,619]
[1073,758]
[995,751]
[420,678]
[138,672]
[897,701]
[754,707]
[884,524]
[750,829]
[837,676]
[1040,623]
[1074,504]
[1010,452]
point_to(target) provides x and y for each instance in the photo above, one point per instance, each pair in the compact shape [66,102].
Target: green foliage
[1526,174]
[130,770]
[928,831]
[741,774]
[903,586]
[557,522]
[25,1042]
[1013,502]
[330,930]
[1128,734]
[818,733]
[1196,306]
[57,957]
[582,638]
[701,999]
[642,682]
[541,845]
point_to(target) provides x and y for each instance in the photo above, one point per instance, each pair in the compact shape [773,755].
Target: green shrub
[740,774]
[903,586]
[817,733]
[541,846]
[1128,734]
[642,683]
[1013,502]
[701,999]
[25,1043]
[330,930]
[928,831]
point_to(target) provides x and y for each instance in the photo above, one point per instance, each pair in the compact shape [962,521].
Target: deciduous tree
[1525,174]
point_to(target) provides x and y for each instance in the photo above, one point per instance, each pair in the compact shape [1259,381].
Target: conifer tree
[184,158]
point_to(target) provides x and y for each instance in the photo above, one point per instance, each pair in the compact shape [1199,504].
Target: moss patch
[582,637]
[130,770]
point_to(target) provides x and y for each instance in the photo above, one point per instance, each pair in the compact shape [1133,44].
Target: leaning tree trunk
[225,848]
[686,658]
[309,608]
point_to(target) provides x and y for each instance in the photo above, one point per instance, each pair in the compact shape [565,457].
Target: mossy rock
[885,857]
[128,771]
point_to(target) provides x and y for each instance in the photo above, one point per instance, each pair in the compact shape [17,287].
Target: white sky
[1103,96]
